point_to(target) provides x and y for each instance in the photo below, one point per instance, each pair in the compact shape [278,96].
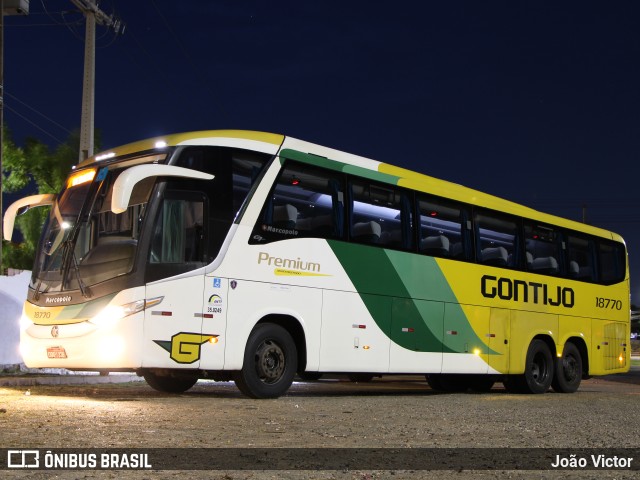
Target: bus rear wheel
[270,362]
[568,372]
[538,373]
[176,383]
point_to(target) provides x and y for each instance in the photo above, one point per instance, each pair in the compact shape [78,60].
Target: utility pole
[7,7]
[93,15]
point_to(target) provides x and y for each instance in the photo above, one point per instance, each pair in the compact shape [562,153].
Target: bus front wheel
[270,362]
[568,373]
[170,383]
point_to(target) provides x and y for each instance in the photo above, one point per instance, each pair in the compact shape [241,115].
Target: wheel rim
[570,368]
[270,361]
[539,369]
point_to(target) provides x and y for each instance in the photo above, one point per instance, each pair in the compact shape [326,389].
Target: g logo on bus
[185,347]
[55,331]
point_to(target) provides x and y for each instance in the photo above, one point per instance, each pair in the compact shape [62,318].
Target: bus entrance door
[173,328]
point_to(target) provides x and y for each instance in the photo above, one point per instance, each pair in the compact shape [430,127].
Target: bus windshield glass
[83,242]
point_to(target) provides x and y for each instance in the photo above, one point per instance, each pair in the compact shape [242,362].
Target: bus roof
[270,142]
[257,140]
[435,186]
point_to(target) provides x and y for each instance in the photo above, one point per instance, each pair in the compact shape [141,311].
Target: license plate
[56,352]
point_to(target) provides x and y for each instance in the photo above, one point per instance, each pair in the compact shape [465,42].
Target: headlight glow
[25,322]
[111,347]
[23,349]
[113,313]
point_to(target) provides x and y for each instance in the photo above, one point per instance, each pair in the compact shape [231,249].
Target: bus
[253,257]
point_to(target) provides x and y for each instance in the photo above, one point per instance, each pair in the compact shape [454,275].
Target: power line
[37,111]
[79,22]
[93,15]
[60,142]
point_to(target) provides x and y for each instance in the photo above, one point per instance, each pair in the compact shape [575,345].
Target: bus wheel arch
[569,367]
[270,360]
[581,345]
[294,327]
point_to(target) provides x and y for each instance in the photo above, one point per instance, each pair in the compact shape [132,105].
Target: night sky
[536,102]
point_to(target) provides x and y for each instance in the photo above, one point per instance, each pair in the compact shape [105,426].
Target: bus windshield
[83,242]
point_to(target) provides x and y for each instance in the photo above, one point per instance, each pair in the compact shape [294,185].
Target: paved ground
[332,413]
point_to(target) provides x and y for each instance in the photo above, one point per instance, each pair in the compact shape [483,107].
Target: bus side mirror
[21,206]
[128,179]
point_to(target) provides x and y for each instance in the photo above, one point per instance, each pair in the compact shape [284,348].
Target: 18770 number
[610,303]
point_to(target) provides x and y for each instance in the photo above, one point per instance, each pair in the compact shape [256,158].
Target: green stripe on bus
[415,300]
[325,162]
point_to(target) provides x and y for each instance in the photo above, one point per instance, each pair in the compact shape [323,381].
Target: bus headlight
[116,312]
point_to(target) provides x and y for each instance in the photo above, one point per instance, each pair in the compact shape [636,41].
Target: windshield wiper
[36,294]
[70,244]
[83,289]
[68,251]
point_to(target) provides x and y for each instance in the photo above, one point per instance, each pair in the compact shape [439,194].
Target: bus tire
[270,362]
[170,383]
[568,370]
[538,371]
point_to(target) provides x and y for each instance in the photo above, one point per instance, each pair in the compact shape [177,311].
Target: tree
[38,164]
[13,255]
[38,168]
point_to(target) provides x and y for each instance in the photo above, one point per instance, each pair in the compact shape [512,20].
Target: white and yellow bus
[253,256]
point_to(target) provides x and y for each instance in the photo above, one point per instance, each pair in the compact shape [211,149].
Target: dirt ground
[331,413]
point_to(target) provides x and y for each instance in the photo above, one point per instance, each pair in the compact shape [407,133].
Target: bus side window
[497,239]
[542,250]
[580,257]
[611,262]
[306,201]
[246,168]
[440,228]
[178,235]
[380,214]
